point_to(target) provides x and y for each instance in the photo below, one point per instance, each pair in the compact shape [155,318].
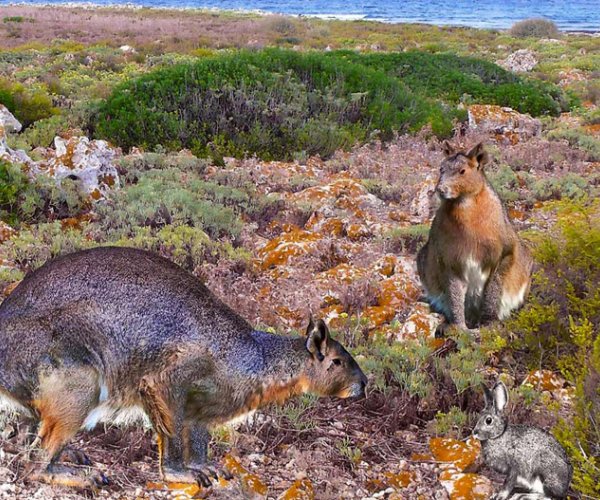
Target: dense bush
[27,104]
[535,28]
[13,183]
[272,103]
[453,78]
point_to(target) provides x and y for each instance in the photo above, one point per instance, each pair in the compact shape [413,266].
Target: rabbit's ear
[500,397]
[487,396]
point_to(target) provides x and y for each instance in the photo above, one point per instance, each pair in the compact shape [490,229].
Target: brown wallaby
[98,332]
[474,267]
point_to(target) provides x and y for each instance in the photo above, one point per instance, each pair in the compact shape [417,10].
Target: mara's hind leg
[197,437]
[64,399]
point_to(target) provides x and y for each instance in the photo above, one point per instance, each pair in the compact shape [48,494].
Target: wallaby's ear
[317,338]
[500,397]
[447,148]
[488,397]
[478,152]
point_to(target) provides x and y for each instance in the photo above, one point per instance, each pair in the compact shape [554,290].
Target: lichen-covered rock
[453,454]
[461,486]
[420,323]
[302,489]
[279,251]
[521,61]
[90,162]
[504,124]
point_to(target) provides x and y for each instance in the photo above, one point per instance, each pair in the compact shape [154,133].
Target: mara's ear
[500,397]
[488,397]
[447,149]
[317,338]
[478,152]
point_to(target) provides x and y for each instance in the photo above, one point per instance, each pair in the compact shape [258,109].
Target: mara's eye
[337,362]
[462,171]
[488,420]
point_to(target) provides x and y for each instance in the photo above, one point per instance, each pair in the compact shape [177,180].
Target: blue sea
[575,15]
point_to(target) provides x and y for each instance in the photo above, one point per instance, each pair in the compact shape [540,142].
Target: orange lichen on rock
[397,291]
[342,273]
[379,315]
[462,486]
[420,323]
[280,250]
[341,186]
[400,480]
[386,266]
[187,489]
[251,483]
[302,489]
[545,380]
[457,454]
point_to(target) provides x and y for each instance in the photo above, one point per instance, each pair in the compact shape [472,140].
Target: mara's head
[461,172]
[331,370]
[492,422]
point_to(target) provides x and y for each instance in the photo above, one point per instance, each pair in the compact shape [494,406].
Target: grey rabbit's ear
[500,397]
[487,396]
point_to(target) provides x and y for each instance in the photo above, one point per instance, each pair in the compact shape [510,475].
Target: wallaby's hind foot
[62,475]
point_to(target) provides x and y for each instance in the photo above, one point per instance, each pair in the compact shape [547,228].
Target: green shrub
[28,105]
[451,78]
[578,138]
[273,103]
[13,182]
[171,196]
[42,132]
[535,28]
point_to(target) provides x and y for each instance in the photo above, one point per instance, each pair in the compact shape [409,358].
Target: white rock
[8,123]
[522,60]
[127,49]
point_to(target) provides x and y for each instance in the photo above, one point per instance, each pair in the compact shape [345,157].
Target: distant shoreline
[263,13]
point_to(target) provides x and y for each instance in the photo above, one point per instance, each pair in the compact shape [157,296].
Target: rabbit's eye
[488,420]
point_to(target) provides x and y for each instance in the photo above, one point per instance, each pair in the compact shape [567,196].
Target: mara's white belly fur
[508,301]
[110,413]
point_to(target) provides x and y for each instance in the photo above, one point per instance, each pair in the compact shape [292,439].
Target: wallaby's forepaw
[72,477]
[74,456]
[206,472]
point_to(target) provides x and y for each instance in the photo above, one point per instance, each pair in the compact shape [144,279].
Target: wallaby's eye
[462,171]
[337,362]
[488,420]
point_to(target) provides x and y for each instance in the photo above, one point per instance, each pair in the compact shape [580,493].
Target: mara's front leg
[457,291]
[196,443]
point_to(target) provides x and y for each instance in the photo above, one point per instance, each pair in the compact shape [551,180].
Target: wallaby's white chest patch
[475,277]
[509,301]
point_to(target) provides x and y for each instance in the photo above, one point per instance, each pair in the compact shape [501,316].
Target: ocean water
[572,15]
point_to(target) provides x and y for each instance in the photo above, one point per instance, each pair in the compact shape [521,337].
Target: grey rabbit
[533,460]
